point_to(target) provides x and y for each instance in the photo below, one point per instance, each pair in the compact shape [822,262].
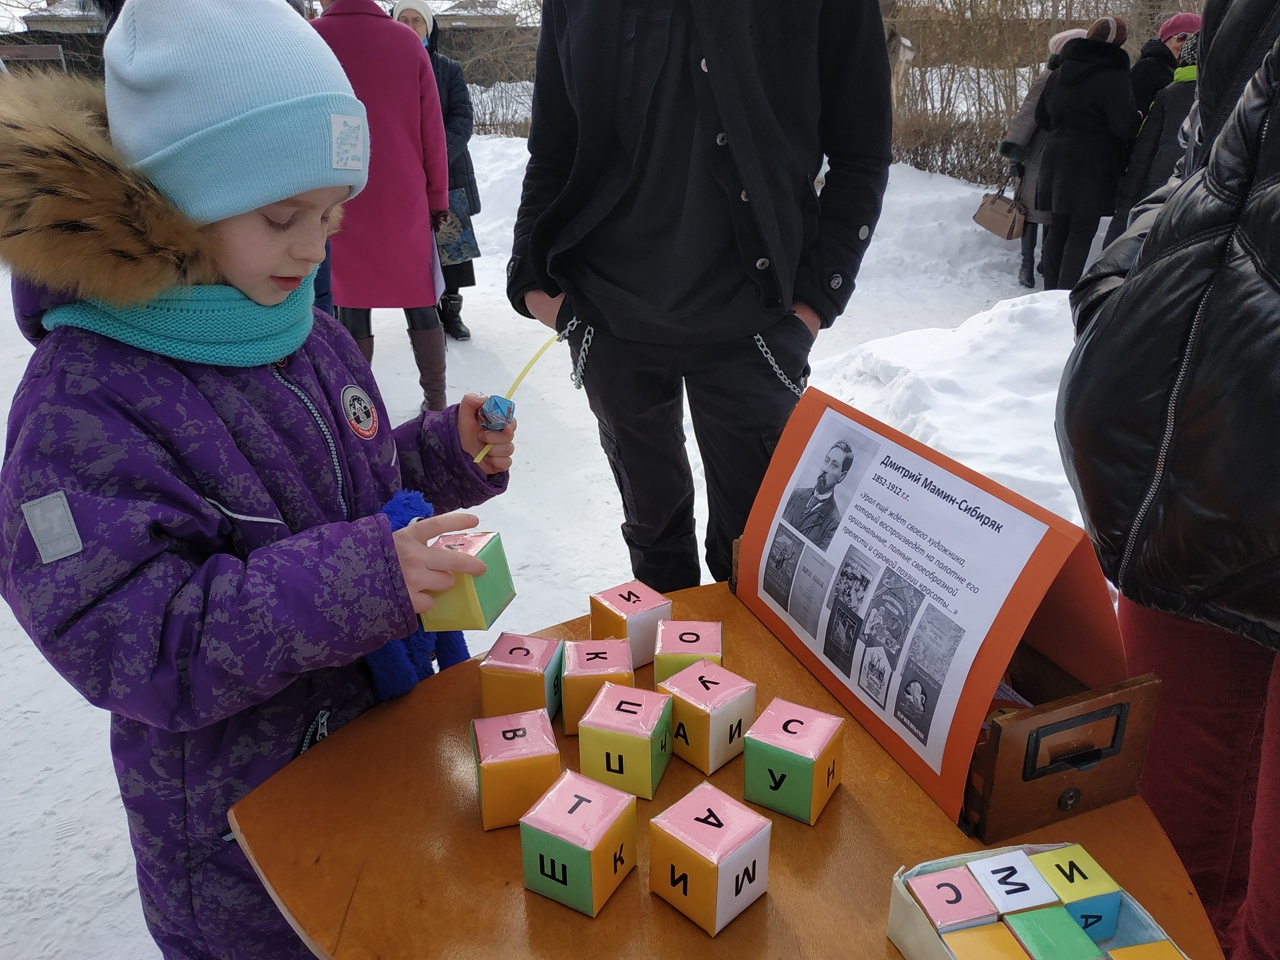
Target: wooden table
[371,842]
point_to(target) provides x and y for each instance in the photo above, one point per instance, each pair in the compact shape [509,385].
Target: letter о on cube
[624,739]
[588,666]
[681,643]
[521,673]
[472,603]
[793,759]
[710,709]
[516,761]
[631,610]
[578,842]
[709,856]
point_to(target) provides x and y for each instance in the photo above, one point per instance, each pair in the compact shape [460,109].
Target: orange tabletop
[371,842]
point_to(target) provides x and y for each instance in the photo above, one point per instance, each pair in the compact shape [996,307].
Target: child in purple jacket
[196,460]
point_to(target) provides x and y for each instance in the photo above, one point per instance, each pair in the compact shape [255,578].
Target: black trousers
[738,406]
[1066,248]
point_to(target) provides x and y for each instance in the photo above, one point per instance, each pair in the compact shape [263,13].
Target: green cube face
[556,869]
[778,779]
[1050,933]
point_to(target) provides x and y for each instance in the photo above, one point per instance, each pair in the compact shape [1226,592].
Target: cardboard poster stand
[952,562]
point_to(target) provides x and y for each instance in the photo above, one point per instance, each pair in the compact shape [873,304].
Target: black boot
[451,317]
[1027,273]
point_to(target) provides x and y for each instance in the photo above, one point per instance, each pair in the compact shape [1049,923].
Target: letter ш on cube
[578,842]
[521,673]
[709,856]
[793,758]
[516,761]
[632,611]
[624,739]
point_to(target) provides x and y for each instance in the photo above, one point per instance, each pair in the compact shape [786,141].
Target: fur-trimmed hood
[74,218]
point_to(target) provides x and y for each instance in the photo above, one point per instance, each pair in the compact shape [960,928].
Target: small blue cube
[497,412]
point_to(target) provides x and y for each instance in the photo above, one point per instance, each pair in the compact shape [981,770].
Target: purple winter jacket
[234,571]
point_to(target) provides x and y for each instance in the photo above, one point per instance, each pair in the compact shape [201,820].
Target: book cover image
[932,648]
[843,627]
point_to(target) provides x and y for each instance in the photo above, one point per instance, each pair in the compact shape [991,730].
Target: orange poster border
[1061,551]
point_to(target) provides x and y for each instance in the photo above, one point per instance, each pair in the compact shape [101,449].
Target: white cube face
[1012,882]
[729,724]
[742,877]
[642,631]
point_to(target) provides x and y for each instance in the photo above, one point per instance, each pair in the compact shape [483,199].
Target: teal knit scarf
[217,325]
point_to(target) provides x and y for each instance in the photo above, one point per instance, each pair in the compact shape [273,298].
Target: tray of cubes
[1033,902]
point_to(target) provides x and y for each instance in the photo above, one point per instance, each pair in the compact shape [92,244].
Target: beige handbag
[1002,215]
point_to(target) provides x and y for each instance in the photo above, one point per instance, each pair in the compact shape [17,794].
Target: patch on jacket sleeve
[52,527]
[362,415]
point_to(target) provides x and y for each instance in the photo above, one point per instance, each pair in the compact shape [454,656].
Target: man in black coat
[671,224]
[1159,58]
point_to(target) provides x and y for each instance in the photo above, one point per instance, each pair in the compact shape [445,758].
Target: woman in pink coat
[382,257]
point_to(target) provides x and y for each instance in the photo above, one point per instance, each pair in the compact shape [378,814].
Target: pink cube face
[622,709]
[701,638]
[468,543]
[710,822]
[512,651]
[585,657]
[630,599]
[513,736]
[951,898]
[795,728]
[707,685]
[577,809]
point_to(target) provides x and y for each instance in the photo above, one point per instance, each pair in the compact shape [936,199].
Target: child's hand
[474,437]
[431,569]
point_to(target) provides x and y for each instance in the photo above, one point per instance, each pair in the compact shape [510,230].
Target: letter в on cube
[991,941]
[588,666]
[709,856]
[521,673]
[578,842]
[1050,933]
[516,761]
[631,610]
[952,899]
[624,739]
[472,603]
[1012,882]
[680,643]
[793,759]
[711,710]
[1085,889]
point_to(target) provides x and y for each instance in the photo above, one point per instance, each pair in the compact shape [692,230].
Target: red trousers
[1212,775]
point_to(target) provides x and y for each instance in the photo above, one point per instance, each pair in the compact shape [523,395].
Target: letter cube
[1157,950]
[588,666]
[792,759]
[632,611]
[516,761]
[521,673]
[1012,882]
[472,603]
[1050,933]
[991,941]
[709,856]
[578,842]
[710,709]
[683,642]
[1084,888]
[624,739]
[952,899]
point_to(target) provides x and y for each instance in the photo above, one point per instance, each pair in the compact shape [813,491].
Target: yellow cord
[510,393]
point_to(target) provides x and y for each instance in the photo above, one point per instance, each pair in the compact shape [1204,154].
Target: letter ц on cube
[521,673]
[624,739]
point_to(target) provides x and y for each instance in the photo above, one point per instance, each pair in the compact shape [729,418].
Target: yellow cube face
[579,691]
[691,734]
[827,772]
[684,879]
[669,664]
[509,788]
[617,759]
[613,857]
[606,623]
[510,691]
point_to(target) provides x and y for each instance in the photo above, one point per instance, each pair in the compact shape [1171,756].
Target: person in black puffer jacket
[1087,107]
[1158,59]
[1166,422]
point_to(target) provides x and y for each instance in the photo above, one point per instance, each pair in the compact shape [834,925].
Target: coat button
[703,64]
[722,139]
[762,264]
[836,281]
[744,196]
[863,232]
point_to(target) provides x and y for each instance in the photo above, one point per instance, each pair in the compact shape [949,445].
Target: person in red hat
[1158,58]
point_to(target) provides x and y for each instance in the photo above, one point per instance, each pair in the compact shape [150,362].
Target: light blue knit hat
[227,105]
